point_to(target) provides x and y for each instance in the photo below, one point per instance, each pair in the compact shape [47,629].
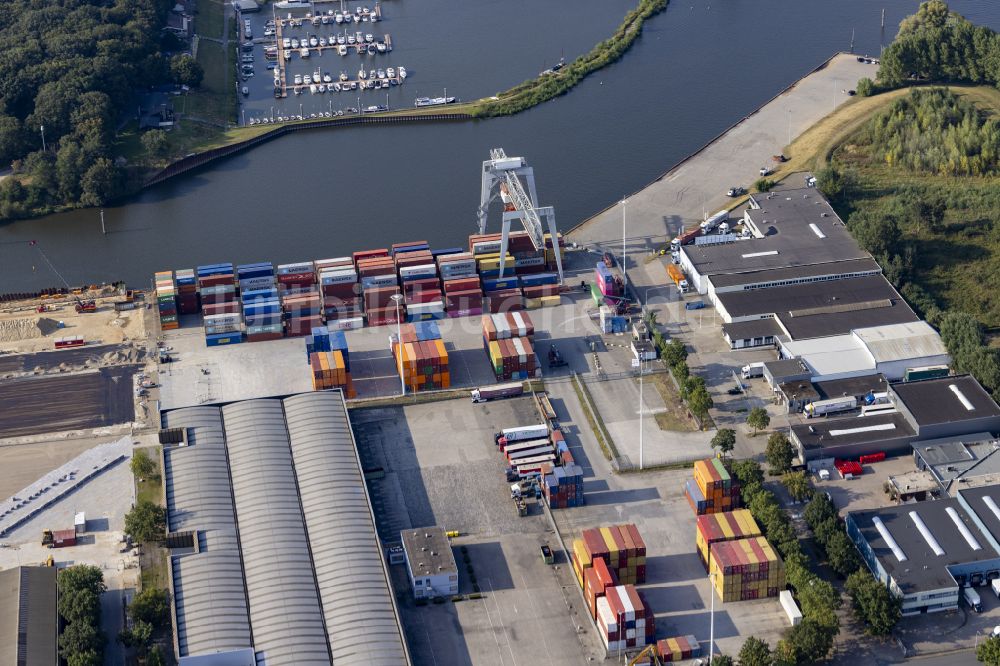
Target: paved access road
[681,197]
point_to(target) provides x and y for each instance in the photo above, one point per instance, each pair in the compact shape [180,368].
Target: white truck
[752,370]
[714,221]
[972,598]
[830,406]
[995,585]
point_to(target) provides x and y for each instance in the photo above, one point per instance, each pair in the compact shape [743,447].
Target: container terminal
[443,433]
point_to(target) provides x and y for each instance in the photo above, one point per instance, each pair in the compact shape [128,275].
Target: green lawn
[215,100]
[210,17]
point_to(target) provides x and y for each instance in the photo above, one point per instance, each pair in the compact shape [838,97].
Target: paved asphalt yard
[35,405]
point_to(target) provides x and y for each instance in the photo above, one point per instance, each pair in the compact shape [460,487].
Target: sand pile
[12,330]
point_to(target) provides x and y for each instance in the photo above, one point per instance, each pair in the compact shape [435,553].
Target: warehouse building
[955,463]
[795,232]
[29,626]
[278,555]
[926,552]
[430,564]
[930,409]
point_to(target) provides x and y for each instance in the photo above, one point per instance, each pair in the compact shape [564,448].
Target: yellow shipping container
[581,553]
[551,301]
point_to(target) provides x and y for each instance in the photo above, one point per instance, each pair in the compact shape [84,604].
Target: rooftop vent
[926,533]
[961,397]
[887,537]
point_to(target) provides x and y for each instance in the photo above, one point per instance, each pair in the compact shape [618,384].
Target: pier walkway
[699,183]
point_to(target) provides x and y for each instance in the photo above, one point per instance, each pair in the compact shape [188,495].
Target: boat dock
[348,85]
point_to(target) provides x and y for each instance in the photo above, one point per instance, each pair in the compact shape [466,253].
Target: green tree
[758,419]
[700,402]
[810,641]
[755,652]
[724,441]
[866,87]
[142,465]
[12,140]
[146,521]
[155,142]
[674,353]
[798,485]
[764,185]
[876,231]
[186,71]
[155,657]
[988,651]
[842,554]
[152,606]
[82,577]
[79,605]
[779,453]
[834,182]
[722,660]
[81,641]
[873,604]
[138,637]
[819,509]
[748,472]
[100,183]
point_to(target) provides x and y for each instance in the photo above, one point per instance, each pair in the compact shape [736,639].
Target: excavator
[648,657]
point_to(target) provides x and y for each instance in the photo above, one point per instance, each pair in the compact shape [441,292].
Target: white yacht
[342,49]
[369,38]
[402,72]
[362,75]
[390,72]
[313,42]
[338,17]
[304,52]
[295,43]
[382,48]
[327,78]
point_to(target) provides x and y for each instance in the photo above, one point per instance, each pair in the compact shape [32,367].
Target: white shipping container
[345,324]
[374,281]
[300,267]
[790,607]
[338,276]
[486,247]
[263,282]
[526,454]
[525,432]
[224,318]
[522,327]
[432,307]
[429,270]
[338,261]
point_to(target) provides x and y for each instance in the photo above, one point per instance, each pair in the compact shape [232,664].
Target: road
[681,197]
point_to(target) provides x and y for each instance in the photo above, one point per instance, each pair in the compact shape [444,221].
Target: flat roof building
[925,552]
[947,407]
[789,229]
[430,563]
[29,622]
[961,462]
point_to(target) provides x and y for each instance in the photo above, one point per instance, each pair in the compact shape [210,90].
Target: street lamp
[711,621]
[624,272]
[640,412]
[397,298]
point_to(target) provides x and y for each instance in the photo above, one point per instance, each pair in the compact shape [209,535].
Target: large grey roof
[284,602]
[784,220]
[933,401]
[209,595]
[776,277]
[28,617]
[350,569]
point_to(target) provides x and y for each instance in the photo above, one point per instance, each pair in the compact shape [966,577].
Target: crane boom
[502,177]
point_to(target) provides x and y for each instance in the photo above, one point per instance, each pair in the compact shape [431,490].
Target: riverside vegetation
[548,86]
[919,182]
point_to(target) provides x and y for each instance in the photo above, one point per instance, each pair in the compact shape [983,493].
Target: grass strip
[594,419]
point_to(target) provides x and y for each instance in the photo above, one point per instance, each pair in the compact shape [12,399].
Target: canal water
[698,67]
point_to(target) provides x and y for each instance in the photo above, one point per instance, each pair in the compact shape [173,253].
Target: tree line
[82,641]
[547,86]
[938,44]
[68,71]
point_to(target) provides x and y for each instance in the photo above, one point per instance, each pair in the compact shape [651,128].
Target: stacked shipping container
[596,580]
[507,340]
[746,569]
[340,292]
[188,301]
[620,546]
[713,489]
[330,360]
[300,301]
[221,310]
[166,300]
[261,306]
[718,527]
[421,357]
[624,619]
[678,648]
[563,488]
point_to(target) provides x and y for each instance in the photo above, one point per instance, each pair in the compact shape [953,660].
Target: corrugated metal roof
[358,605]
[898,342]
[209,595]
[284,602]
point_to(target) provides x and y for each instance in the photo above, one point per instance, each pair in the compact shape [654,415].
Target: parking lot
[452,476]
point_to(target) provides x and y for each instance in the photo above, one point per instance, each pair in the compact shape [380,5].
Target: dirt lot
[23,464]
[24,329]
[35,405]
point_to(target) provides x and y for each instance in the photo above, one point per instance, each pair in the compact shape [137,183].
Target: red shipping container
[421,284]
[462,284]
[403,246]
[263,337]
[297,326]
[424,296]
[221,308]
[216,280]
[383,316]
[414,259]
[369,254]
[305,278]
[379,297]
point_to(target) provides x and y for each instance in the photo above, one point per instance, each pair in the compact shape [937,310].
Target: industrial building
[930,409]
[925,552]
[29,623]
[275,547]
[960,462]
[430,564]
[793,234]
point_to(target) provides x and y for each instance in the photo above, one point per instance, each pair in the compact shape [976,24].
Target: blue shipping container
[219,339]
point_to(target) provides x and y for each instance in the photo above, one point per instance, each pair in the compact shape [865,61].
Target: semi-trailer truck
[486,393]
[685,238]
[972,598]
[752,370]
[831,406]
[677,275]
[714,221]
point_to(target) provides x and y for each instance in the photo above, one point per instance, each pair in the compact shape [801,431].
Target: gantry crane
[501,177]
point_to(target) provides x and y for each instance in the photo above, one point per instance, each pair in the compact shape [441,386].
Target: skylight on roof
[961,397]
[871,428]
[816,230]
[769,253]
